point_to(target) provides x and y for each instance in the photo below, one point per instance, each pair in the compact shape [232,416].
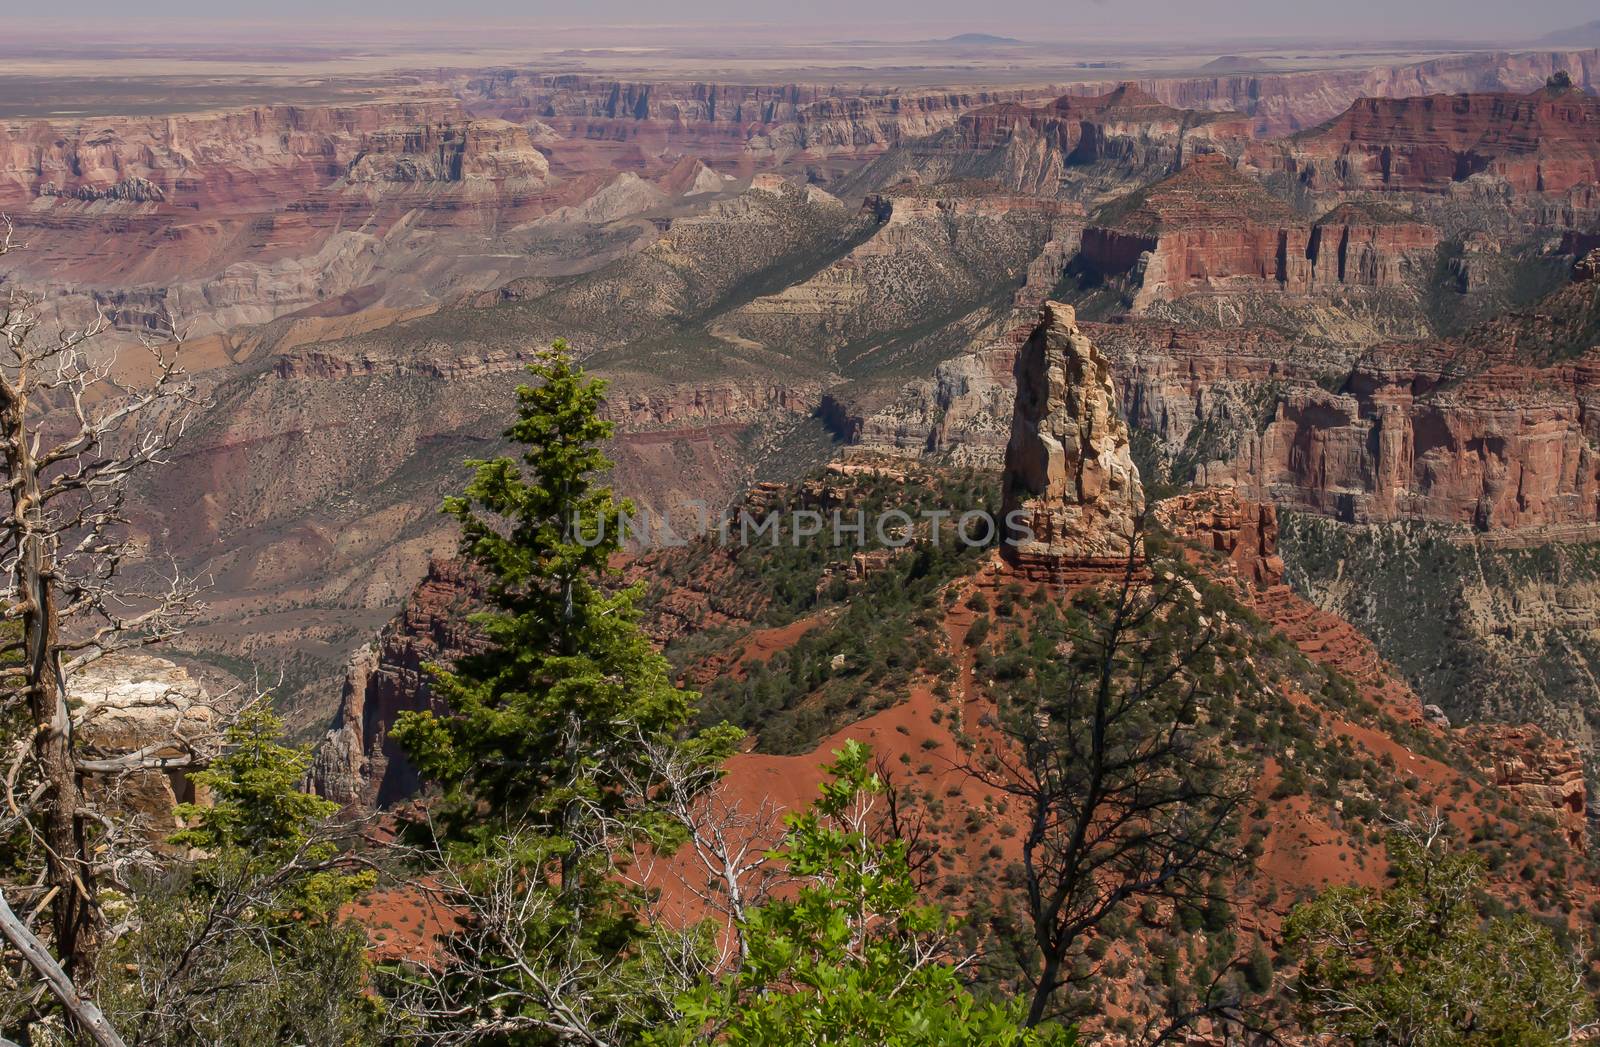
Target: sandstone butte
[1069,481]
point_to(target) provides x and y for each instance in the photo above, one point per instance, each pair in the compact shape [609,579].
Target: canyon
[1273,375]
[1353,293]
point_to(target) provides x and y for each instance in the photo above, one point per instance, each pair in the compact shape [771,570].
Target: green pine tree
[224,944]
[545,722]
[259,820]
[544,744]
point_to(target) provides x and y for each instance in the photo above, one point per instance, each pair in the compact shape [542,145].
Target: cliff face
[960,414]
[1547,141]
[474,150]
[1126,127]
[257,157]
[758,123]
[356,764]
[1364,246]
[1409,435]
[1282,103]
[1211,230]
[1449,433]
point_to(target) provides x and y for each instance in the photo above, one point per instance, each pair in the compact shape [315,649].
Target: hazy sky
[1134,19]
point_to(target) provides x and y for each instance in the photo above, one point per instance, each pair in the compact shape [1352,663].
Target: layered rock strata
[1546,142]
[1210,229]
[357,764]
[1071,493]
[130,702]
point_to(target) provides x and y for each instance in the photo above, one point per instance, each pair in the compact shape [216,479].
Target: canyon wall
[757,124]
[1547,141]
[230,219]
[1451,434]
[1282,103]
[357,764]
[255,157]
[1209,229]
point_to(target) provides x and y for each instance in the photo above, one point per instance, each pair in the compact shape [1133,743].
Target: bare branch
[83,1011]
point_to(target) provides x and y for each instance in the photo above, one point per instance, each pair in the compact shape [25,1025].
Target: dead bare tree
[76,424]
[1125,798]
[726,861]
[513,964]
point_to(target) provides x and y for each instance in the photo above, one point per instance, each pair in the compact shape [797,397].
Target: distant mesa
[979,39]
[1543,141]
[1586,35]
[1238,64]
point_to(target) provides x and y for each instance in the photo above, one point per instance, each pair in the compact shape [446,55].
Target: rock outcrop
[1243,532]
[127,702]
[1071,491]
[356,764]
[1544,773]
